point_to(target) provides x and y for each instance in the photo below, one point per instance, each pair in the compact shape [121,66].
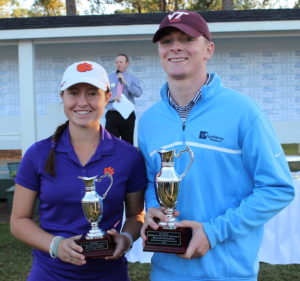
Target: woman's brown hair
[50,163]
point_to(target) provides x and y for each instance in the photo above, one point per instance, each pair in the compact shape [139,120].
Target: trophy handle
[110,185]
[187,149]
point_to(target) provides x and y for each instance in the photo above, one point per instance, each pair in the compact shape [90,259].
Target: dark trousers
[120,127]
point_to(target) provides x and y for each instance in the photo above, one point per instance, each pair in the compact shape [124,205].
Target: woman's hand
[123,244]
[69,251]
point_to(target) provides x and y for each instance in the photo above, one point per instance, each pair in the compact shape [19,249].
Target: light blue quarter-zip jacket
[238,181]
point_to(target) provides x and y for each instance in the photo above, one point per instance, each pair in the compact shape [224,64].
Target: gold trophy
[168,238]
[96,243]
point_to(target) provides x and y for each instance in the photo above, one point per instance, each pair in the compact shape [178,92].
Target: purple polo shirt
[60,196]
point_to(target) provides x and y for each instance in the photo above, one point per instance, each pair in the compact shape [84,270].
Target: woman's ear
[107,96]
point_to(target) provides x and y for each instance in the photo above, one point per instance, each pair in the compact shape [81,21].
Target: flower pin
[109,171]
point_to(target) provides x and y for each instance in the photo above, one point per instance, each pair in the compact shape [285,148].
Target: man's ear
[210,49]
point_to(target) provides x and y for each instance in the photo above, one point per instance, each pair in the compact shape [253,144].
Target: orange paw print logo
[109,171]
[83,67]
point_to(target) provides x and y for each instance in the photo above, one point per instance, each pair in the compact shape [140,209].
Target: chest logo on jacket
[206,135]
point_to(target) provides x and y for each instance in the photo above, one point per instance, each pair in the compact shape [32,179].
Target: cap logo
[175,17]
[83,67]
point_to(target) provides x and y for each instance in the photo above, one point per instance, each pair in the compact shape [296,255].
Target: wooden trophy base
[98,247]
[173,241]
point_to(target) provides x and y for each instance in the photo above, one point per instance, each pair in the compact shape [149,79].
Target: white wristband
[127,234]
[53,248]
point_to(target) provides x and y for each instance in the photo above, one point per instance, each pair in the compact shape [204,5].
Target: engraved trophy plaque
[96,243]
[169,238]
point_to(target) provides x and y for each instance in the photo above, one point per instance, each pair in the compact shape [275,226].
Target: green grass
[15,257]
[15,261]
[290,149]
[139,271]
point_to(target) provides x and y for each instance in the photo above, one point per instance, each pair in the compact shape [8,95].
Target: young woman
[49,171]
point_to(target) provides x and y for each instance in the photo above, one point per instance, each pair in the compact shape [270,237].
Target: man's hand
[199,244]
[153,216]
[117,98]
[121,78]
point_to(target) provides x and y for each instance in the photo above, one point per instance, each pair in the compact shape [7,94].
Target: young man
[122,82]
[239,178]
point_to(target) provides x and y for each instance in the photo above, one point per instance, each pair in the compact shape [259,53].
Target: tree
[146,6]
[48,8]
[95,6]
[71,7]
[4,8]
[203,5]
[19,12]
[5,2]
[163,5]
[138,6]
[12,9]
[227,4]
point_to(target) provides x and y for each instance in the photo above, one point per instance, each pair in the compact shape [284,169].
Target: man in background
[122,82]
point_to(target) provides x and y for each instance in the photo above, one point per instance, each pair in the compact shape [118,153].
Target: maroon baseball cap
[191,23]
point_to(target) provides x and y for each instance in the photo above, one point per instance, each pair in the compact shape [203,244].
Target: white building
[257,52]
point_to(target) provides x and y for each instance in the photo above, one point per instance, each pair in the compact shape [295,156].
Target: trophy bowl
[167,193]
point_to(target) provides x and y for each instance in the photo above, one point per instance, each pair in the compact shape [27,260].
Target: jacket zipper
[183,125]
